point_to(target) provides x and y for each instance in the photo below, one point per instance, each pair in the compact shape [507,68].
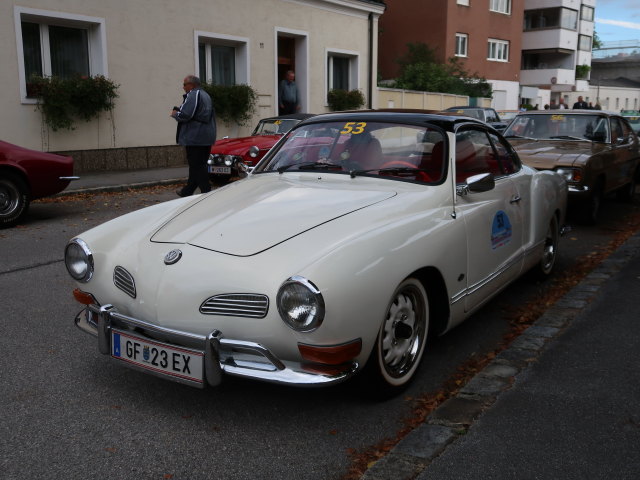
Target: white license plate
[223,170]
[180,363]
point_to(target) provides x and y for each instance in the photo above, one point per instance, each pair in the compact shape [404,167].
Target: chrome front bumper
[221,355]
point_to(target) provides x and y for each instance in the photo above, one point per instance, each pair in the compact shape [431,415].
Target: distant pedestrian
[546,106]
[288,96]
[554,105]
[580,104]
[561,104]
[197,132]
[591,106]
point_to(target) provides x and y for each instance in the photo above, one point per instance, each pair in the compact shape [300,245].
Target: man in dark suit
[580,104]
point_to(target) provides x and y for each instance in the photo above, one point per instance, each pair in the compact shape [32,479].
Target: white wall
[150,47]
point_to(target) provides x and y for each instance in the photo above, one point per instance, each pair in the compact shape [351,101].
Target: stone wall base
[133,158]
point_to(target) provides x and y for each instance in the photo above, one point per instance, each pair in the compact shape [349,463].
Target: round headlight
[228,160]
[300,304]
[79,260]
[254,151]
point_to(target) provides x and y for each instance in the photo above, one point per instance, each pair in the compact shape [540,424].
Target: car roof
[291,116]
[571,112]
[444,120]
[468,107]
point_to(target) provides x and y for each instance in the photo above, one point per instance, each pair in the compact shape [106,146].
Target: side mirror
[482,182]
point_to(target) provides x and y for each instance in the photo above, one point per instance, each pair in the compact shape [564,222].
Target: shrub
[61,100]
[339,100]
[233,103]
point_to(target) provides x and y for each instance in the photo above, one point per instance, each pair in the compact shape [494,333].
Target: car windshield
[469,112]
[275,126]
[634,122]
[390,150]
[507,116]
[560,126]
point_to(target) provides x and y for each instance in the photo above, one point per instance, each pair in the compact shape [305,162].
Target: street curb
[413,454]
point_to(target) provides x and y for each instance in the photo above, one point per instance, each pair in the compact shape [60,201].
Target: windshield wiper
[567,137]
[311,166]
[398,171]
[519,136]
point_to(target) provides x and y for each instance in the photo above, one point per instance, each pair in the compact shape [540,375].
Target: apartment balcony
[560,79]
[558,39]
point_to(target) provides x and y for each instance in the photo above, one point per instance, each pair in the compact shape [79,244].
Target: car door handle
[515,199]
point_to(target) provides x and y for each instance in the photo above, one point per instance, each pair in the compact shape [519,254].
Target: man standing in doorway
[197,132]
[288,97]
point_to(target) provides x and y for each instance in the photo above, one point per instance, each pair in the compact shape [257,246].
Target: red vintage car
[26,175]
[231,157]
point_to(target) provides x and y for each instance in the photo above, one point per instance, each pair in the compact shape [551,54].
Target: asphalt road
[69,412]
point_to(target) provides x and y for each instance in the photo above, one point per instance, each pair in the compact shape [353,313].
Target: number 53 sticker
[354,128]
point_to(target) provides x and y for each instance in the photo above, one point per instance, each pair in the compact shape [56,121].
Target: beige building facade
[148,46]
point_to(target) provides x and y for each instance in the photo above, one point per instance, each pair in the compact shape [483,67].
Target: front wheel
[14,199]
[591,206]
[550,250]
[627,192]
[401,340]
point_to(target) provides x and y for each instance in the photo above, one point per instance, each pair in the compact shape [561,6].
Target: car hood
[253,215]
[239,146]
[545,155]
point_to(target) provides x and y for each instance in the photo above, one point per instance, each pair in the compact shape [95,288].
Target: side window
[626,131]
[474,155]
[617,134]
[492,116]
[507,160]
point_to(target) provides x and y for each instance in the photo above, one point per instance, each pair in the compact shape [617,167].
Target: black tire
[591,206]
[627,192]
[220,180]
[14,199]
[550,251]
[400,342]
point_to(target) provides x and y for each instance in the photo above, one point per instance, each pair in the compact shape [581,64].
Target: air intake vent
[124,281]
[237,305]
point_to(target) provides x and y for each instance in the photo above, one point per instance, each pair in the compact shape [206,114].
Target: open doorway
[292,55]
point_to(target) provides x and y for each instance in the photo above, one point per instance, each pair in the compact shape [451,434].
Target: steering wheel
[420,175]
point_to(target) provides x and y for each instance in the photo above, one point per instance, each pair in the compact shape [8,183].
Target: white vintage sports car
[358,235]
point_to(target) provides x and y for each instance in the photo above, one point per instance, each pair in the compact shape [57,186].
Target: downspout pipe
[370,82]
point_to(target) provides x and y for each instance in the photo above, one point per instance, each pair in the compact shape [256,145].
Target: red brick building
[485,34]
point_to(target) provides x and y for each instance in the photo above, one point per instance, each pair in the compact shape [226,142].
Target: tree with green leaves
[420,70]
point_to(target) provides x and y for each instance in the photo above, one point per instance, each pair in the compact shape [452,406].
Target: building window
[550,18]
[462,40]
[463,2]
[217,64]
[222,60]
[500,6]
[584,43]
[586,13]
[342,70]
[498,50]
[57,44]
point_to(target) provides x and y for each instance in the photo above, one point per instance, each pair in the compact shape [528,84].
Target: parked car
[596,151]
[354,238]
[231,157]
[485,114]
[633,117]
[26,175]
[507,115]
